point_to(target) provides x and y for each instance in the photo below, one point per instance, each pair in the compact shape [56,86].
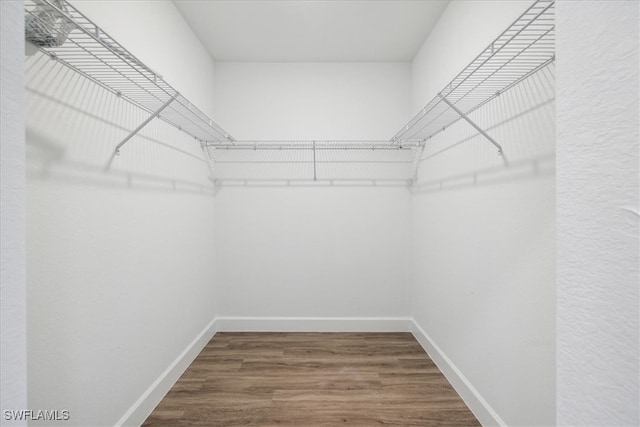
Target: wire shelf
[66,35]
[315,161]
[524,48]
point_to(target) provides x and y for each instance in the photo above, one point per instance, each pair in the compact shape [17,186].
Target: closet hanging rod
[318,145]
[66,35]
[523,49]
[311,147]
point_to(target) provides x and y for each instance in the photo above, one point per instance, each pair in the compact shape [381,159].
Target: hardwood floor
[312,379]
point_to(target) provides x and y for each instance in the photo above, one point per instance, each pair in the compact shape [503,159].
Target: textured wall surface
[597,196]
[483,227]
[119,258]
[13,347]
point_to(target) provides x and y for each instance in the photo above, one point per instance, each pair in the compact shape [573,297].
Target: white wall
[597,194]
[120,274]
[312,100]
[13,345]
[305,250]
[313,252]
[484,238]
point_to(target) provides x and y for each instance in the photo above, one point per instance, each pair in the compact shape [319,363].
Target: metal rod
[416,165]
[207,158]
[472,123]
[315,176]
[300,147]
[318,145]
[321,142]
[143,124]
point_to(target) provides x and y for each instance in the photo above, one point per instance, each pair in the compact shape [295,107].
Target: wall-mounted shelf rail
[524,48]
[68,36]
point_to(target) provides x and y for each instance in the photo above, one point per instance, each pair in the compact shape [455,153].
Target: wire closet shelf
[524,48]
[68,36]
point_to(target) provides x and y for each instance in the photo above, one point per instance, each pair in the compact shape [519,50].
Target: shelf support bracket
[209,160]
[417,158]
[315,175]
[472,123]
[146,122]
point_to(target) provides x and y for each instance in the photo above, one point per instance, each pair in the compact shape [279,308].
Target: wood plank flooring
[312,379]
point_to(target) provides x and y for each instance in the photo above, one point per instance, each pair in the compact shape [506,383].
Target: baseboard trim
[474,400]
[314,324]
[141,409]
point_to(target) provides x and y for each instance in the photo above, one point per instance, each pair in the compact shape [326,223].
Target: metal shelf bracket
[417,158]
[471,122]
[315,172]
[146,122]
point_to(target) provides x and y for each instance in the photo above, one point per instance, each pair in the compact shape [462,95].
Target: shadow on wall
[515,171]
[521,119]
[73,126]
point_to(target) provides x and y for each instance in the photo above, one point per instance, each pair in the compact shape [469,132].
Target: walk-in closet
[288,212]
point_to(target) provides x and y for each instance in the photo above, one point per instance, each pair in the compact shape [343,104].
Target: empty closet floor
[312,379]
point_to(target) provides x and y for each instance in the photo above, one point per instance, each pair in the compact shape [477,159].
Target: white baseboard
[141,409]
[474,400]
[314,324]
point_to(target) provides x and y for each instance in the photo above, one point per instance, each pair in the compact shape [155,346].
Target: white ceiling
[306,31]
